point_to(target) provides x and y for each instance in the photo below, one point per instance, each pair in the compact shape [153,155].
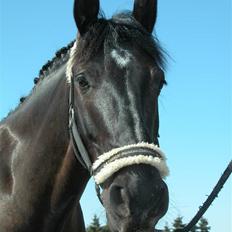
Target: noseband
[141,153]
[110,162]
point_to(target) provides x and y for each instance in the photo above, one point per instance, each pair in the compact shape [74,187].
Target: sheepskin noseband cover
[141,153]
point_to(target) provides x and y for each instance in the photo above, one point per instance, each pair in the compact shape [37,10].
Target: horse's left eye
[82,82]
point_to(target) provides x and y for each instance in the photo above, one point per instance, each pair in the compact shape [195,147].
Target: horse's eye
[82,82]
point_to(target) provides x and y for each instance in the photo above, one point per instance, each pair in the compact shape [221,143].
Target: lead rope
[218,187]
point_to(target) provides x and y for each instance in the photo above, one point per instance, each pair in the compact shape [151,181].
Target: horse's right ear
[85,14]
[145,12]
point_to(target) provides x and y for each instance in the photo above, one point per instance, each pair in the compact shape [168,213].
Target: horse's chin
[128,229]
[128,225]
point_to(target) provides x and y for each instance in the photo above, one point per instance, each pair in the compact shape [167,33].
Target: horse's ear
[85,14]
[145,12]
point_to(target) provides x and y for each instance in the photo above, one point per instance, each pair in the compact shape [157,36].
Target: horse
[92,112]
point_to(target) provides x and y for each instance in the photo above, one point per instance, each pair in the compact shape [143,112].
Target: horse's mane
[61,56]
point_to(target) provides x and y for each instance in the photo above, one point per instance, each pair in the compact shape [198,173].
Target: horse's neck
[45,111]
[43,170]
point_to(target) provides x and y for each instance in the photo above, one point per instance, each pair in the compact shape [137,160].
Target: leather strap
[78,146]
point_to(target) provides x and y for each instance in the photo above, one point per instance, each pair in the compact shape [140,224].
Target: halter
[110,162]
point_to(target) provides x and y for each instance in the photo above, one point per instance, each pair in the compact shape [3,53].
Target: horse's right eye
[82,82]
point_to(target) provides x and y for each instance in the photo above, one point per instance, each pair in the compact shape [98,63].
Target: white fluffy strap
[109,168]
[70,62]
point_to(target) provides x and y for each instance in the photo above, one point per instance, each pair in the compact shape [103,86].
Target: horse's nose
[139,203]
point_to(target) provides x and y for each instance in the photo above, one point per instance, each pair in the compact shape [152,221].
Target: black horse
[93,111]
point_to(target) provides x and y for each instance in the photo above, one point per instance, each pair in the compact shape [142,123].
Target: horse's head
[116,72]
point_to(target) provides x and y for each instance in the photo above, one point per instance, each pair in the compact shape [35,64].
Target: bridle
[80,151]
[110,162]
[78,146]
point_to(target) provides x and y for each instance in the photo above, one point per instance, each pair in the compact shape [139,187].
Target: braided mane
[61,56]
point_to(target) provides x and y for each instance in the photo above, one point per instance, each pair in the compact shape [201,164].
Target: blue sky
[195,107]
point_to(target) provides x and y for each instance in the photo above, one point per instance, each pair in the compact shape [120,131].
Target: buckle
[71,116]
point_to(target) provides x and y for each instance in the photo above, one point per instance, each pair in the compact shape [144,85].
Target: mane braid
[61,56]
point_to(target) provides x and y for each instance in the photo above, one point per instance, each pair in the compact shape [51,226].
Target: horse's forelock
[106,35]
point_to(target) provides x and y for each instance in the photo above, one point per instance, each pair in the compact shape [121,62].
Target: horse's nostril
[117,195]
[119,200]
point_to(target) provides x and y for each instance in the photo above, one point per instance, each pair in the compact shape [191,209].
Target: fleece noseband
[141,153]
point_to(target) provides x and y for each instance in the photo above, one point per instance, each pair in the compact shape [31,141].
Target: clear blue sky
[195,108]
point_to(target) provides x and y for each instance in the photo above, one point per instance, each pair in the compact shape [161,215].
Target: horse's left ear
[85,14]
[145,12]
